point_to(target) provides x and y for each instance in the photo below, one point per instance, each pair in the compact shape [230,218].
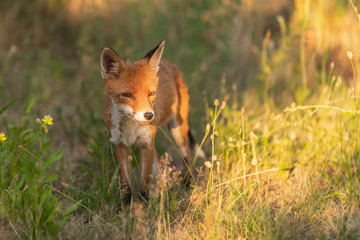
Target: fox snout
[144,117]
[149,115]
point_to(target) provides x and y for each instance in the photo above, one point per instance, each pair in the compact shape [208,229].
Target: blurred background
[249,51]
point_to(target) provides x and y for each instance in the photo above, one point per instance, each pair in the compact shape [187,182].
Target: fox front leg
[148,155]
[123,156]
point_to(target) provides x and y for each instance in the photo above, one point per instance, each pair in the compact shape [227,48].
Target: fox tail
[195,146]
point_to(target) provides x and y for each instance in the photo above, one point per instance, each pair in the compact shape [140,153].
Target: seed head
[216,102]
[207,127]
[207,164]
[252,136]
[223,105]
[13,49]
[310,137]
[272,116]
[223,79]
[350,55]
[338,82]
[266,131]
[332,65]
[254,161]
[276,139]
[293,136]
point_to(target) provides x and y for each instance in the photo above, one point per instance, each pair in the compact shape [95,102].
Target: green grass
[282,154]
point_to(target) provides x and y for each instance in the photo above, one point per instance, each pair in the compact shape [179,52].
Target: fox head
[132,86]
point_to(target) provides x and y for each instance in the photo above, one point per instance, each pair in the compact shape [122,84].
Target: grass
[280,132]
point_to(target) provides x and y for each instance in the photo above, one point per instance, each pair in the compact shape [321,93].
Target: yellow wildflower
[2,137]
[48,120]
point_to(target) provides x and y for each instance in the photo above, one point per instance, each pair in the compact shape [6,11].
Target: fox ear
[154,56]
[111,63]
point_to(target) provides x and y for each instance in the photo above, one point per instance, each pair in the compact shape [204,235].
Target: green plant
[25,179]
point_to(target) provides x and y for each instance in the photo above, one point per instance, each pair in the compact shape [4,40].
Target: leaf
[59,225]
[50,160]
[19,183]
[7,105]
[113,179]
[29,104]
[31,186]
[71,208]
[51,208]
[45,196]
[64,217]
[50,178]
[26,134]
[44,146]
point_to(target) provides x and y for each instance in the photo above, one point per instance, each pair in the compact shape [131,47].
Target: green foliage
[26,178]
[282,157]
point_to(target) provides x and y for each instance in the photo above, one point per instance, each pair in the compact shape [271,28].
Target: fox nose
[149,115]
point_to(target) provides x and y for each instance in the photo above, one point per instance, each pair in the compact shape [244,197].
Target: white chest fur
[126,130]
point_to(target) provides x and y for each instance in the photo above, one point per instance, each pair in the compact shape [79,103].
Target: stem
[339,109]
[303,43]
[82,205]
[356,12]
[176,148]
[213,149]
[341,146]
[243,147]
[254,156]
[246,176]
[210,182]
[356,109]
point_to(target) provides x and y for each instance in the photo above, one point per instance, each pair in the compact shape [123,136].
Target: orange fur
[139,97]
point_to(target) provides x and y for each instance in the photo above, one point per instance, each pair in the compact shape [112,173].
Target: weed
[282,156]
[26,180]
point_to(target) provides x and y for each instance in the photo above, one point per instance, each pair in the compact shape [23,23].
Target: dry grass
[290,123]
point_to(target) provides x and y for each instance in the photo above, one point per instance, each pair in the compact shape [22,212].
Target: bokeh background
[258,54]
[50,49]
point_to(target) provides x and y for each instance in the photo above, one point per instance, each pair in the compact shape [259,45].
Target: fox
[139,97]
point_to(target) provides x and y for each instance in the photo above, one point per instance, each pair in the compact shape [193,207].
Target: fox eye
[127,95]
[151,94]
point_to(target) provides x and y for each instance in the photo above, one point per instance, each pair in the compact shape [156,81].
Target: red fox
[139,97]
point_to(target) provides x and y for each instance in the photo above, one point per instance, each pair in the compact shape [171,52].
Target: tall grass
[282,153]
